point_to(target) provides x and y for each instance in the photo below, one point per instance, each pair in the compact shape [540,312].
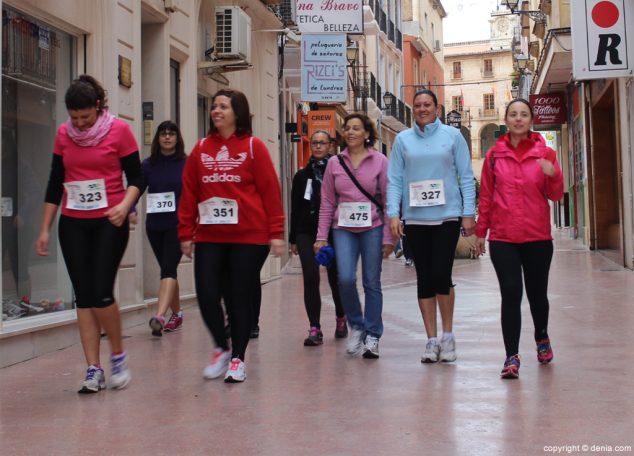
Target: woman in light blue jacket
[430,181]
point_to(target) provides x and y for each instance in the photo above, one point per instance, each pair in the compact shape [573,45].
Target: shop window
[37,63]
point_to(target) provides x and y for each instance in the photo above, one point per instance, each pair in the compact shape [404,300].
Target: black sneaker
[315,337]
[255,332]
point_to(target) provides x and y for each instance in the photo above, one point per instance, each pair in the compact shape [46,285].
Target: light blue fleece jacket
[436,152]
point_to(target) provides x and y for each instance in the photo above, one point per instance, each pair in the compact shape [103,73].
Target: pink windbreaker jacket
[514,191]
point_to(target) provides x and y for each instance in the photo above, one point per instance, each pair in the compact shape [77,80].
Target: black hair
[323,132]
[518,100]
[86,92]
[426,92]
[368,126]
[240,106]
[155,149]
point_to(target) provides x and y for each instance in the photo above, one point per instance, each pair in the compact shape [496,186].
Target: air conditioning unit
[437,46]
[233,33]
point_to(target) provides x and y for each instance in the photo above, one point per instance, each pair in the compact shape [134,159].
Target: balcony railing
[375,90]
[457,75]
[401,112]
[382,21]
[399,39]
[390,31]
[487,73]
[484,113]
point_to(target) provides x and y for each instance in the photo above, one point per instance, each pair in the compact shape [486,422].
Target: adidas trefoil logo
[222,162]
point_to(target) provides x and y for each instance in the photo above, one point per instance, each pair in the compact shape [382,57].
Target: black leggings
[229,271]
[509,260]
[310,272]
[433,248]
[92,250]
[167,250]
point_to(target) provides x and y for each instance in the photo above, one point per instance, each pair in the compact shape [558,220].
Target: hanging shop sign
[324,77]
[330,16]
[602,46]
[549,108]
[322,120]
[454,119]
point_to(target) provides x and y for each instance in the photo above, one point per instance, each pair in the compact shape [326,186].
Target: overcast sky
[467,20]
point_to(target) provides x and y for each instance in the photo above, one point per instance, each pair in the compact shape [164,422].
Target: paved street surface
[316,401]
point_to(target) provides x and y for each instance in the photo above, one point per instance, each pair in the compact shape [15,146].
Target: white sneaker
[371,349]
[432,350]
[448,349]
[218,365]
[120,376]
[94,381]
[355,342]
[237,371]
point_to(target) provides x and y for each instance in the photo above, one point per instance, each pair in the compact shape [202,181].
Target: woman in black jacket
[305,198]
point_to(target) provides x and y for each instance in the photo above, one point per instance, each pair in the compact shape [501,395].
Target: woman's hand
[187,247]
[468,226]
[318,245]
[278,246]
[547,167]
[294,250]
[387,250]
[480,247]
[41,245]
[117,214]
[396,227]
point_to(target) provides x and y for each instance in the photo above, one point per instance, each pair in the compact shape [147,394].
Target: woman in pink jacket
[519,176]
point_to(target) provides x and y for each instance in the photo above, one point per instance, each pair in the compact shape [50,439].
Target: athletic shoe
[218,365]
[25,303]
[95,380]
[174,323]
[315,337]
[371,349]
[255,332]
[409,262]
[398,253]
[237,371]
[432,351]
[511,367]
[355,342]
[544,351]
[120,375]
[448,349]
[341,331]
[157,323]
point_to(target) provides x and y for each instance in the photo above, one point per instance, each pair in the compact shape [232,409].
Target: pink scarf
[94,134]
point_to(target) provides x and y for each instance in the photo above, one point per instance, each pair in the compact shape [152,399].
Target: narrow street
[316,401]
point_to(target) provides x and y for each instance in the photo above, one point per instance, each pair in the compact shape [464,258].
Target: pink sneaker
[174,323]
[544,351]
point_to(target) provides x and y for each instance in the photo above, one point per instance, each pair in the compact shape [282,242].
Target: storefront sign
[322,120]
[454,119]
[549,108]
[330,16]
[324,63]
[602,39]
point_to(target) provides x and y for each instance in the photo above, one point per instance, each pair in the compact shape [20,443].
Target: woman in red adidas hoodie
[230,215]
[520,174]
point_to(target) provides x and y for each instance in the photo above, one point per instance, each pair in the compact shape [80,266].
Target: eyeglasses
[319,143]
[167,133]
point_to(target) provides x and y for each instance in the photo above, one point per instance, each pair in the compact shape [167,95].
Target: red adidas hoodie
[514,191]
[237,168]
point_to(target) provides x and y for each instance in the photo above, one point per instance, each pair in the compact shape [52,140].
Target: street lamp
[537,16]
[388,101]
[352,52]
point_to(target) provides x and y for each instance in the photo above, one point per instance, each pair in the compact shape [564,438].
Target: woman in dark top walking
[163,177]
[305,200]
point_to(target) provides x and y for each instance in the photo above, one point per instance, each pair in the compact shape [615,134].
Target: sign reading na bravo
[324,68]
[330,16]
[602,39]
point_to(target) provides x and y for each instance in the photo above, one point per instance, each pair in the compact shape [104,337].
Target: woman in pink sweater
[519,176]
[356,213]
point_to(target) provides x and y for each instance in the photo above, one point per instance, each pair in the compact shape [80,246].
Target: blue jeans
[348,247]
